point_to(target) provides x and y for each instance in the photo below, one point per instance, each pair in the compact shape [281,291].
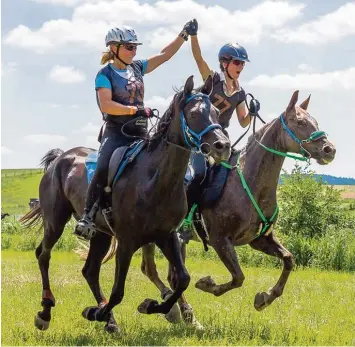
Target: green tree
[308,206]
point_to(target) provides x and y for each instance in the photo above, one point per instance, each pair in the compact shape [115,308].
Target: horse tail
[83,250]
[50,157]
[112,250]
[32,218]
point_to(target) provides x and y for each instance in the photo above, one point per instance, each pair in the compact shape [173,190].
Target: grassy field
[317,308]
[17,187]
[349,191]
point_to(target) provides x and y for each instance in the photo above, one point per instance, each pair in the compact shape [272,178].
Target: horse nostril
[221,145]
[328,149]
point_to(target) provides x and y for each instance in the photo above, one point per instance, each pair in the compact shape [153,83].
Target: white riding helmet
[123,34]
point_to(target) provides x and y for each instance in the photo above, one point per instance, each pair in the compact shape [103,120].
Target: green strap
[282,154]
[266,222]
[188,221]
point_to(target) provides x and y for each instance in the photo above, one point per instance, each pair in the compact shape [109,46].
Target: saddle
[120,158]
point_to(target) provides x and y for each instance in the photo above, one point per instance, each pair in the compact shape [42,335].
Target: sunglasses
[238,62]
[130,47]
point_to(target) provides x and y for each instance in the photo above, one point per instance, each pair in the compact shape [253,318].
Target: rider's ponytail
[106,57]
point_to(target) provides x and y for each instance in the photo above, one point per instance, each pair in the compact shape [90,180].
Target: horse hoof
[89,313]
[112,328]
[189,318]
[260,301]
[147,305]
[40,323]
[205,284]
[197,325]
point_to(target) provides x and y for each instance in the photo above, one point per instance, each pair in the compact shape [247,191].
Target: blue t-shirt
[127,86]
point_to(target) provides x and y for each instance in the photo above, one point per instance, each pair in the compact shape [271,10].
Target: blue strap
[289,130]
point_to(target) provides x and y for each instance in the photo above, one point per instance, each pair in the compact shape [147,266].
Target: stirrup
[85,229]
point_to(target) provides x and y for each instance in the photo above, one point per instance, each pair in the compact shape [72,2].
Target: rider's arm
[243,115]
[165,54]
[201,64]
[107,105]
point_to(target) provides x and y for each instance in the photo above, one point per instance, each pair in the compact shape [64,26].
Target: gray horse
[235,221]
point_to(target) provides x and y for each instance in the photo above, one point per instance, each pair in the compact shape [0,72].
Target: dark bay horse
[235,221]
[148,201]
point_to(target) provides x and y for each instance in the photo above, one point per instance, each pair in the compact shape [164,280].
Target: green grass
[317,308]
[17,187]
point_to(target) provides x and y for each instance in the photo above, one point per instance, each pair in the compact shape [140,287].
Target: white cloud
[330,27]
[89,128]
[5,150]
[161,104]
[344,79]
[160,22]
[54,105]
[8,67]
[74,106]
[91,142]
[45,138]
[305,68]
[66,75]
[62,2]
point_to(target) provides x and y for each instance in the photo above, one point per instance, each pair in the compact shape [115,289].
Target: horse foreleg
[123,260]
[227,254]
[171,249]
[271,246]
[149,269]
[99,246]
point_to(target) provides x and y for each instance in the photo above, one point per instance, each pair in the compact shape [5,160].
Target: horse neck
[171,157]
[262,168]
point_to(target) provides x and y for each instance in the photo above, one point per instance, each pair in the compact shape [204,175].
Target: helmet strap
[226,69]
[117,56]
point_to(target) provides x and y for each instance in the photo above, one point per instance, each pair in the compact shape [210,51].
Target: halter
[193,139]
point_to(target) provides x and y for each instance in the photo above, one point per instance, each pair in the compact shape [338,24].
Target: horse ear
[293,101]
[305,103]
[189,86]
[207,87]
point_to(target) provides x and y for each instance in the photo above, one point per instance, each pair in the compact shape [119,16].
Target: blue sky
[51,52]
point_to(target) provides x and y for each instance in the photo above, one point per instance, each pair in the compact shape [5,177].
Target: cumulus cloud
[5,150]
[344,79]
[327,28]
[45,139]
[158,22]
[66,75]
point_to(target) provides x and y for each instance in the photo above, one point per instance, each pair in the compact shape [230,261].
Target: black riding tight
[111,140]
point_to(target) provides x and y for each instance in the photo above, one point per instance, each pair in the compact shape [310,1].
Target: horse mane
[165,120]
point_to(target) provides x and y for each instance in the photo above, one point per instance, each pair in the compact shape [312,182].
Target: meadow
[317,307]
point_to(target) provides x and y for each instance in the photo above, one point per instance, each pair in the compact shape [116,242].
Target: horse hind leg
[271,246]
[149,269]
[186,310]
[53,229]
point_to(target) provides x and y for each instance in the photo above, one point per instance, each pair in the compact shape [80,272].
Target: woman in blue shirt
[120,94]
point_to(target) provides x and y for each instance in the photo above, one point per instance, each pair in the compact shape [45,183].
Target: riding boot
[85,228]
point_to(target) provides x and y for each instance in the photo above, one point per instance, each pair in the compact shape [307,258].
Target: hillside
[18,186]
